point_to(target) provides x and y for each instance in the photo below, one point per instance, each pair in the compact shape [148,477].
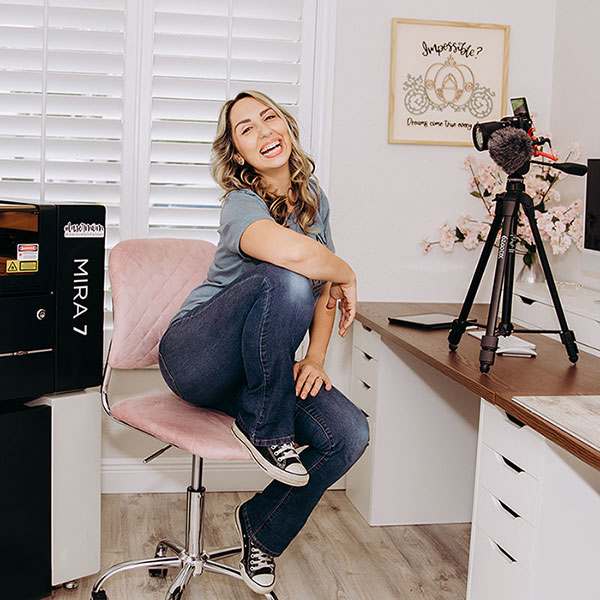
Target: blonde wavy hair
[232,176]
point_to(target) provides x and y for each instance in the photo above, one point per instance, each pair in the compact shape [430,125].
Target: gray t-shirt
[240,209]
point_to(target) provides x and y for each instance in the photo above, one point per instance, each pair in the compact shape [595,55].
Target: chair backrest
[150,279]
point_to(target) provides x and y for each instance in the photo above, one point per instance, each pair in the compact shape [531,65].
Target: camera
[521,119]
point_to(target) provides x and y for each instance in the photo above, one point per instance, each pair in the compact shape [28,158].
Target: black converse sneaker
[280,461]
[256,567]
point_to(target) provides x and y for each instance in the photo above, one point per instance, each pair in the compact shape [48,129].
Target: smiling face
[261,137]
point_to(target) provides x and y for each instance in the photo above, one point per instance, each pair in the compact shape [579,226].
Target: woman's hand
[346,293]
[310,377]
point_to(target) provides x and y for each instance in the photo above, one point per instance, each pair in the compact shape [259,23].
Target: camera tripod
[506,217]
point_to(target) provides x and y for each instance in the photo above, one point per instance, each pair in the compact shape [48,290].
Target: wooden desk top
[550,374]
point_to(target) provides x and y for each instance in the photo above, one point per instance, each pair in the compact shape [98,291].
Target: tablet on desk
[426,321]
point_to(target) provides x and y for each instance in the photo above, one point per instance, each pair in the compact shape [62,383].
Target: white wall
[386,197]
[575,112]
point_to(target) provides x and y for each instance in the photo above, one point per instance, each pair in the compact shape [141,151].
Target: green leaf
[459,234]
[476,194]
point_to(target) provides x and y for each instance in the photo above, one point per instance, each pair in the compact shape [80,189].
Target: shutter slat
[86,18]
[73,39]
[84,149]
[184,217]
[184,66]
[20,37]
[85,62]
[196,110]
[23,104]
[83,171]
[19,125]
[20,147]
[267,9]
[81,192]
[78,128]
[20,81]
[192,24]
[264,71]
[190,45]
[189,195]
[180,87]
[274,50]
[20,190]
[177,152]
[70,83]
[174,131]
[180,174]
[266,29]
[79,106]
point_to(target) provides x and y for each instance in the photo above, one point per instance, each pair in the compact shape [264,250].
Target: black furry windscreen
[510,148]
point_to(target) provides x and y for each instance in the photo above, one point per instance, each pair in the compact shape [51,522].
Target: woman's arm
[270,242]
[309,373]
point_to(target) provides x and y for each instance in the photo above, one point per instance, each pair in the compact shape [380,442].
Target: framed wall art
[445,77]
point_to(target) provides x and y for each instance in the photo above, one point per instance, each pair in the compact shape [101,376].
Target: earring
[239,160]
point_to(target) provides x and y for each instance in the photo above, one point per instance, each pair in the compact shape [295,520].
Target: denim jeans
[235,353]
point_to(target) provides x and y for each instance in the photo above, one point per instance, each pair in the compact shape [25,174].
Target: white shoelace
[260,560]
[284,451]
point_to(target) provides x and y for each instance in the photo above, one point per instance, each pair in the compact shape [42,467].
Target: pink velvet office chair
[150,278]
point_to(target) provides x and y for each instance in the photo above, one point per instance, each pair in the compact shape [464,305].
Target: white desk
[536,531]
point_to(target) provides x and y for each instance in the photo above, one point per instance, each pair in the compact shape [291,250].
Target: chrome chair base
[191,559]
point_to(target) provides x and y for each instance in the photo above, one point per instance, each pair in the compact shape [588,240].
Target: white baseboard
[131,475]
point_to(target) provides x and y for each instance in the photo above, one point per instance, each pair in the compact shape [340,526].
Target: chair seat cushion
[201,431]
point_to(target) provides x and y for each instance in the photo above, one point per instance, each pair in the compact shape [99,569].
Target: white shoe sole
[257,589]
[278,474]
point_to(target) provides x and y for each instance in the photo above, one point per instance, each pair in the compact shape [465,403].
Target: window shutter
[61,88]
[206,51]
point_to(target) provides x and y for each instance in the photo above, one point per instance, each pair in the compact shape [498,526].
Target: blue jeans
[235,353]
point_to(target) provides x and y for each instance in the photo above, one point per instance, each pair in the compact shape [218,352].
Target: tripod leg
[567,336]
[489,342]
[506,327]
[459,324]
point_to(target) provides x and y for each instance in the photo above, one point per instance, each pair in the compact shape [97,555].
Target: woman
[232,344]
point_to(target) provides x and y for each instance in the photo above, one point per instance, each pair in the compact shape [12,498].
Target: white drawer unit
[506,508]
[423,438]
[532,306]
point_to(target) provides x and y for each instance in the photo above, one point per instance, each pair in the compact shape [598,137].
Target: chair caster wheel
[162,573]
[99,595]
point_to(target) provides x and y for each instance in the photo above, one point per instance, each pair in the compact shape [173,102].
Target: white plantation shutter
[204,52]
[61,87]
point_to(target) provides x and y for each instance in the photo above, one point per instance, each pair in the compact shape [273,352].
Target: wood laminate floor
[337,556]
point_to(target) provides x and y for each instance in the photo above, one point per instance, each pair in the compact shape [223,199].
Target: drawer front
[366,339]
[493,574]
[506,527]
[364,366]
[543,316]
[515,487]
[364,396]
[518,443]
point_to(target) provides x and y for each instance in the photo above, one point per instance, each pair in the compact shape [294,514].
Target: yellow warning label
[21,266]
[28,265]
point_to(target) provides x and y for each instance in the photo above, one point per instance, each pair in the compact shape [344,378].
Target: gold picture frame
[445,77]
